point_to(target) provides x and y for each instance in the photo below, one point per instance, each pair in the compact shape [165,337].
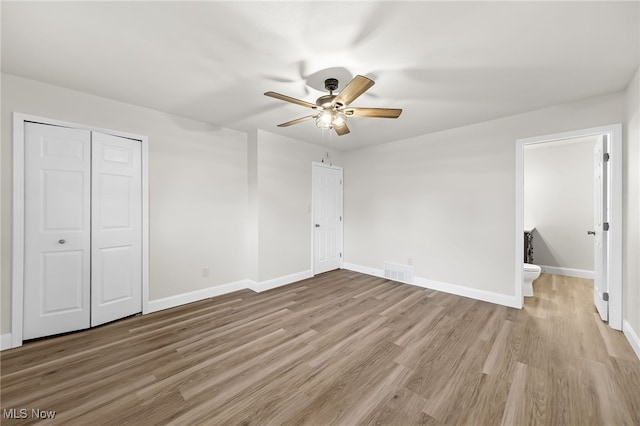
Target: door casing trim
[614,259]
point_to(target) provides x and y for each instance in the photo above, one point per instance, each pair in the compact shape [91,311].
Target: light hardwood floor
[340,348]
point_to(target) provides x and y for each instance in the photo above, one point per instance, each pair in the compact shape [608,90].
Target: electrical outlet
[205,272]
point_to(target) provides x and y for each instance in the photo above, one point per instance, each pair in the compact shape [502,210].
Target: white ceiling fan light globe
[339,119]
[324,120]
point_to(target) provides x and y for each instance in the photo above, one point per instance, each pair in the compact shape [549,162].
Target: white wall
[197,181]
[631,209]
[252,214]
[558,202]
[447,200]
[284,203]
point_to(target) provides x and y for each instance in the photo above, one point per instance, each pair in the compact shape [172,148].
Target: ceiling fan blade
[355,88]
[296,121]
[373,112]
[342,130]
[290,99]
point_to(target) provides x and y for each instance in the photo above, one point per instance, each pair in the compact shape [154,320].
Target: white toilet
[530,272]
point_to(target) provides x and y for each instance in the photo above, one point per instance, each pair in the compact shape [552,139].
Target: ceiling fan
[331,111]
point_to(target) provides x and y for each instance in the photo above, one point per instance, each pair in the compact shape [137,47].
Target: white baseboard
[279,281]
[194,296]
[218,290]
[364,269]
[632,337]
[5,341]
[486,296]
[473,293]
[569,272]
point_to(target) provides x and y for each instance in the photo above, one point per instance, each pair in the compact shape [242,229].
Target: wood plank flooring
[341,348]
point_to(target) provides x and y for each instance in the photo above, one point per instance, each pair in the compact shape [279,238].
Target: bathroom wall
[558,202]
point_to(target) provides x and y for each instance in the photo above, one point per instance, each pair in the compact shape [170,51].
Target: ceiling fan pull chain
[330,147]
[322,132]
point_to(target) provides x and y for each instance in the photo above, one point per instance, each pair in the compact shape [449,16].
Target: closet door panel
[116,245]
[57,230]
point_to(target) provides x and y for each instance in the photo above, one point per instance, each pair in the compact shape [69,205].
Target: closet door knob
[61,241]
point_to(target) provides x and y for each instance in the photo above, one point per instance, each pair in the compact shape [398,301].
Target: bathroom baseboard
[569,272]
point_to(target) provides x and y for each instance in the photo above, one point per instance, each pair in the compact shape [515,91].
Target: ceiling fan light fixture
[324,120]
[339,119]
[330,118]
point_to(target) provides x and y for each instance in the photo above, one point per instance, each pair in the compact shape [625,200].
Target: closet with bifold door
[82,229]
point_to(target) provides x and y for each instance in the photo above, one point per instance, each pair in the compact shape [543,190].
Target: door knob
[61,241]
[591,232]
[317,225]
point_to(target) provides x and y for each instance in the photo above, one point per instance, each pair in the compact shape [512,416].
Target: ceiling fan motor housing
[331,84]
[325,101]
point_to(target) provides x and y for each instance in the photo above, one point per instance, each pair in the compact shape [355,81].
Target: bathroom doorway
[608,287]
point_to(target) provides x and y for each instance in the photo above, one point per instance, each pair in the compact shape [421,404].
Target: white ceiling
[447,64]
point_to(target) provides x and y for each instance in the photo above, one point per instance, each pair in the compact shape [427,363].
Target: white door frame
[614,260]
[313,246]
[17,295]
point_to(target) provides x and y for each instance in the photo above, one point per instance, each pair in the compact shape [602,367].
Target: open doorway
[608,272]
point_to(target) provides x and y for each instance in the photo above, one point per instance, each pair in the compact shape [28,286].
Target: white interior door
[116,242]
[327,218]
[57,230]
[600,214]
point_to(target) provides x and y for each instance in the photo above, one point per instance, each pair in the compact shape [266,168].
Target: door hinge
[340,218]
[340,254]
[340,181]
[605,296]
[606,156]
[605,226]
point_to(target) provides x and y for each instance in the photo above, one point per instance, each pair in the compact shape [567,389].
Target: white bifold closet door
[57,236]
[116,228]
[82,229]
